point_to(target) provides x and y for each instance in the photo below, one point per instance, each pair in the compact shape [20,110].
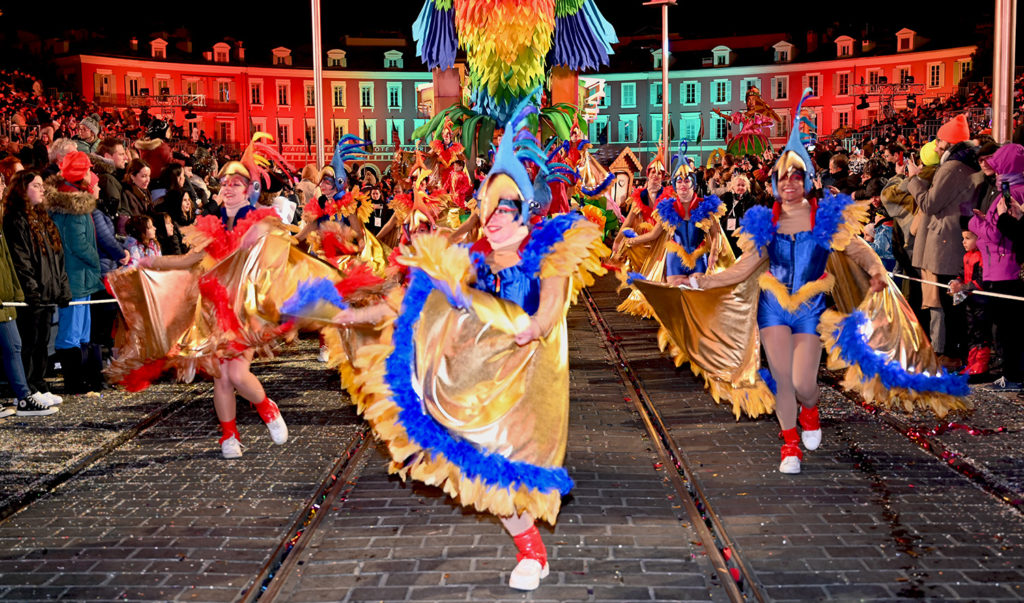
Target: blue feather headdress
[349,147]
[794,155]
[681,168]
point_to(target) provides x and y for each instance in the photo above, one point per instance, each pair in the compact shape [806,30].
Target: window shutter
[696,95]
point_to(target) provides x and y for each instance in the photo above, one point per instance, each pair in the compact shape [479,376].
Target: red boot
[230,442]
[811,425]
[791,455]
[532,558]
[271,415]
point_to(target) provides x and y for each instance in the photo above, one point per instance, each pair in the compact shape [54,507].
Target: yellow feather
[791,302]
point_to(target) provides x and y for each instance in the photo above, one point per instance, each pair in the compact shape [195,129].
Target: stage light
[911,101]
[863,102]
[190,115]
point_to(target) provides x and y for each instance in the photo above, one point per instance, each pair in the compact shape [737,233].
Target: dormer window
[158,48]
[721,55]
[657,57]
[336,58]
[221,52]
[783,52]
[905,40]
[844,46]
[393,59]
[282,55]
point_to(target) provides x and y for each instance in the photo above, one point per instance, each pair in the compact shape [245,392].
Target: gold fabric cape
[166,317]
[471,376]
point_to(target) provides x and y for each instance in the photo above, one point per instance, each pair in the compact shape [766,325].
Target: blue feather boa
[629,233]
[853,349]
[758,224]
[667,211]
[769,380]
[311,292]
[491,469]
[828,218]
[634,276]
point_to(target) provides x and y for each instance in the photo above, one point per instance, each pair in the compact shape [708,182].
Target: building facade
[395,96]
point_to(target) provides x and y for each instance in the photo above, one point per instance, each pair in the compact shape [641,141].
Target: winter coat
[938,247]
[996,249]
[110,249]
[43,277]
[72,213]
[1008,162]
[135,201]
[10,289]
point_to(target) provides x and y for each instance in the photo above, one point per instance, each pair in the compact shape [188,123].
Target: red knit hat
[955,130]
[75,166]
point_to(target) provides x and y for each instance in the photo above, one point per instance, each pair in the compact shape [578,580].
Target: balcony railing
[194,102]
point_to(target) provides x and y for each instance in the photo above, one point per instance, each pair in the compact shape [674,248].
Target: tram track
[735,575]
[267,583]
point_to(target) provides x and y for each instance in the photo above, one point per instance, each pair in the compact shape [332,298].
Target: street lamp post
[318,85]
[664,4]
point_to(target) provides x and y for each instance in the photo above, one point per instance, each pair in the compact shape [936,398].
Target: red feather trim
[213,291]
[251,218]
[141,378]
[223,242]
[312,211]
[358,277]
[334,245]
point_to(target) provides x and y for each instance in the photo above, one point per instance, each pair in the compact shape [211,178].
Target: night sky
[340,17]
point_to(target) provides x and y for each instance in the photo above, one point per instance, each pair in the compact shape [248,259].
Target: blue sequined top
[796,259]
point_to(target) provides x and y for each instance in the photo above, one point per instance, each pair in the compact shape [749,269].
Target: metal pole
[664,86]
[1002,69]
[318,85]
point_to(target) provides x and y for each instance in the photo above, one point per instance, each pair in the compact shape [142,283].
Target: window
[690,93]
[719,127]
[309,131]
[656,127]
[905,43]
[721,54]
[339,127]
[338,94]
[721,91]
[748,83]
[225,131]
[159,53]
[842,119]
[393,59]
[280,60]
[606,96]
[843,84]
[396,126]
[368,129]
[873,76]
[812,83]
[158,48]
[257,124]
[628,94]
[162,85]
[656,55]
[282,94]
[962,69]
[395,96]
[221,53]
[282,56]
[224,91]
[310,95]
[133,85]
[627,128]
[781,87]
[336,58]
[846,49]
[599,130]
[366,95]
[191,86]
[689,125]
[656,94]
[256,93]
[781,56]
[783,125]
[902,75]
[935,75]
[284,131]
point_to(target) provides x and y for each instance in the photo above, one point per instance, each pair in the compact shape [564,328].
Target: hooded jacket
[110,187]
[1008,162]
[71,211]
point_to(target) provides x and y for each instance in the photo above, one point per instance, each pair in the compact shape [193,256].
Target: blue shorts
[674,265]
[804,320]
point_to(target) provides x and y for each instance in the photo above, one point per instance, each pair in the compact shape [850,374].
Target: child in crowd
[979,327]
[141,241]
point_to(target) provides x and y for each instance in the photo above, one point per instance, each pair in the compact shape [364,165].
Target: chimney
[241,51]
[208,55]
[184,46]
[812,41]
[134,44]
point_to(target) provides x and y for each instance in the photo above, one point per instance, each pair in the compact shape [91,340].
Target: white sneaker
[231,448]
[32,406]
[278,430]
[811,439]
[6,411]
[790,464]
[528,574]
[324,354]
[48,399]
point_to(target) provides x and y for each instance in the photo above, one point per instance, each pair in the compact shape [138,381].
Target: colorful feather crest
[349,147]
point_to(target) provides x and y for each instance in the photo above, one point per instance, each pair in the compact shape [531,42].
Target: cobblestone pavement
[872,516]
[157,515]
